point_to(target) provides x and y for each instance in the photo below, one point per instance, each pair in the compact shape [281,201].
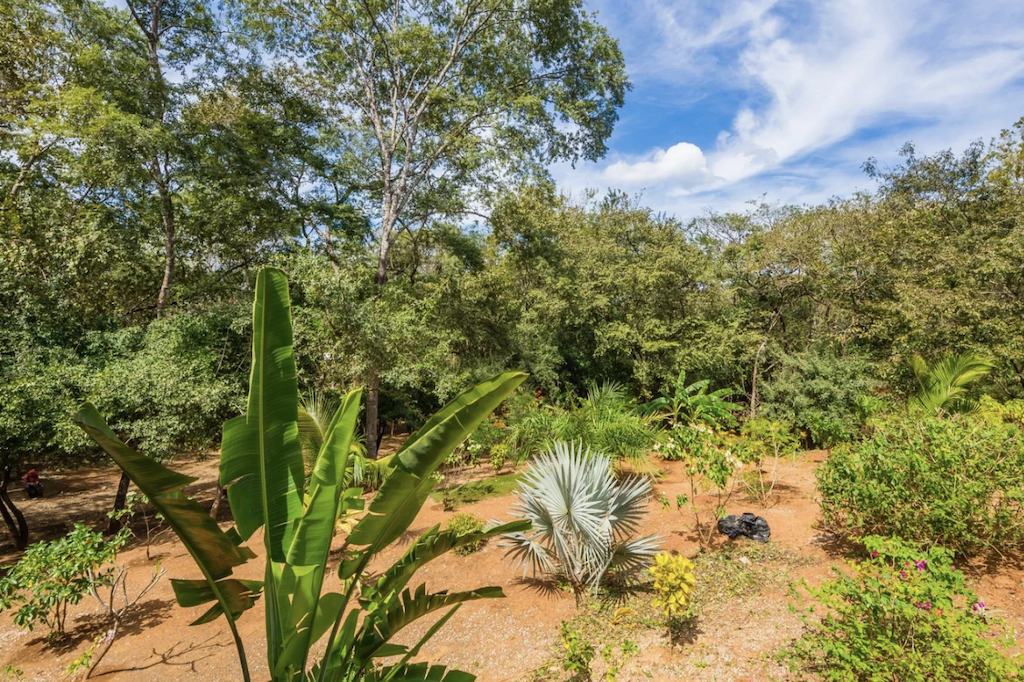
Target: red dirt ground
[498,640]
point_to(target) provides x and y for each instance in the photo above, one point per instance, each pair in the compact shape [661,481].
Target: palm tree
[583,520]
[943,385]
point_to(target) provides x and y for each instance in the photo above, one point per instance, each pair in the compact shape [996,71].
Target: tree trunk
[167,218]
[13,517]
[373,372]
[105,644]
[119,502]
[372,409]
[222,494]
[753,379]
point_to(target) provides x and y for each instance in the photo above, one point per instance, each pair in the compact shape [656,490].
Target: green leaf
[215,552]
[311,544]
[420,672]
[411,607]
[213,549]
[428,547]
[237,595]
[261,459]
[405,490]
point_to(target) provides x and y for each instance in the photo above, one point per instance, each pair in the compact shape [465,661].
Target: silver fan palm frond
[583,520]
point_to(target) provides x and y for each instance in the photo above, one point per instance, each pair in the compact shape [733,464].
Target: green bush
[607,421]
[170,385]
[52,576]
[901,614]
[462,524]
[819,393]
[956,482]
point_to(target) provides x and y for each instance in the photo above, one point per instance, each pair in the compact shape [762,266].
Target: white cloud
[818,75]
[682,162]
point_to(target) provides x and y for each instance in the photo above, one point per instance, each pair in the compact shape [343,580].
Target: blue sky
[738,100]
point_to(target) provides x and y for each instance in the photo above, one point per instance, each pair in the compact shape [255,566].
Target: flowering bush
[957,482]
[902,614]
[673,582]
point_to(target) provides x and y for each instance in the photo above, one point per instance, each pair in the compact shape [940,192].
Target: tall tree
[438,102]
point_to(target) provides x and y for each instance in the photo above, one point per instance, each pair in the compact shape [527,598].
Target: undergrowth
[626,615]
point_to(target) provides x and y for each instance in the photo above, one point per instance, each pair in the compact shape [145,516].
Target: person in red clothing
[33,488]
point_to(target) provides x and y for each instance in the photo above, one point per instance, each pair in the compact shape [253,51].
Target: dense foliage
[53,576]
[262,467]
[902,614]
[957,483]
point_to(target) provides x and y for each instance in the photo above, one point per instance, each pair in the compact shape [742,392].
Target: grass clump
[475,491]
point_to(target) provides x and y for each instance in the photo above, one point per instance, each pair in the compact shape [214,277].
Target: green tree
[441,102]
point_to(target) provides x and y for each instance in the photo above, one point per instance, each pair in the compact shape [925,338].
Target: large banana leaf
[419,672]
[261,458]
[409,608]
[428,547]
[311,543]
[406,488]
[237,595]
[215,552]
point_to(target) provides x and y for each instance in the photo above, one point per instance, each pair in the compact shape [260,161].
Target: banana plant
[261,466]
[693,404]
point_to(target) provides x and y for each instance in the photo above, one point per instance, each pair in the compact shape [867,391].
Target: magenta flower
[979,606]
[874,555]
[921,565]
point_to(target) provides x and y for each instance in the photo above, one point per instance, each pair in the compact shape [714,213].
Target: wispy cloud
[823,83]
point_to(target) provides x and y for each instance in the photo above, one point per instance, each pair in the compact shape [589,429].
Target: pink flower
[874,555]
[921,565]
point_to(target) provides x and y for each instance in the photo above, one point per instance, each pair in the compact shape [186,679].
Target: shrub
[956,482]
[673,583]
[692,404]
[463,524]
[51,576]
[582,519]
[901,614]
[709,465]
[578,654]
[819,393]
[764,444]
[607,421]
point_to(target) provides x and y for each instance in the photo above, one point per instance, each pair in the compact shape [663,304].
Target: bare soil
[498,640]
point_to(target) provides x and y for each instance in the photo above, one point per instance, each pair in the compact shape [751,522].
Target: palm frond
[580,517]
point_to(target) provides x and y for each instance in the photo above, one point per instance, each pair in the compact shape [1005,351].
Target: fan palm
[583,520]
[943,385]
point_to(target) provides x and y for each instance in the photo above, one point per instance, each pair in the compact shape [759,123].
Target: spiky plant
[943,386]
[607,420]
[584,521]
